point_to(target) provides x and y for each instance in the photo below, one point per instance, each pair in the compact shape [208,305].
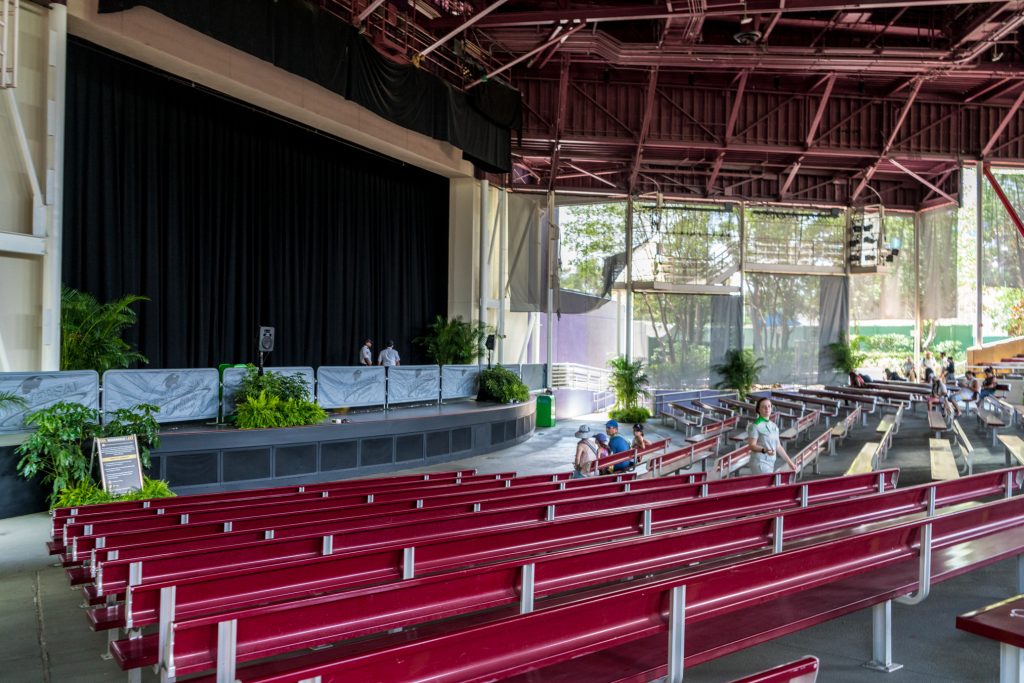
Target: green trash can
[545,411]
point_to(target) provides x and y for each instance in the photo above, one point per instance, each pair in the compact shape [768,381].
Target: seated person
[640,441]
[857,380]
[586,453]
[971,389]
[908,370]
[988,387]
[617,444]
[893,376]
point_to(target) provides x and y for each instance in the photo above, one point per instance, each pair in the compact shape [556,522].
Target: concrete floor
[44,635]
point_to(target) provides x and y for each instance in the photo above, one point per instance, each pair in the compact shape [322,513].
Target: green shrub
[501,385]
[887,343]
[739,371]
[54,451]
[453,342]
[952,347]
[274,400]
[630,415]
[88,492]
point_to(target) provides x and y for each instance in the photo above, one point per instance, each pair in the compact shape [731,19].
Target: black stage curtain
[300,37]
[228,218]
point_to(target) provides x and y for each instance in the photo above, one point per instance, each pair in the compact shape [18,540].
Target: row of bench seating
[551,602]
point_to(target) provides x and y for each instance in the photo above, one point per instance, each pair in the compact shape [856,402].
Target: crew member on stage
[365,356]
[389,356]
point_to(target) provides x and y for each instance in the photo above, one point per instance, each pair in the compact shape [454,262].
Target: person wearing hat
[602,445]
[617,444]
[365,355]
[586,454]
[763,439]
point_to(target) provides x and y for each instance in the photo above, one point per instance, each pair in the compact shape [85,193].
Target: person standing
[586,454]
[764,442]
[950,369]
[365,355]
[389,357]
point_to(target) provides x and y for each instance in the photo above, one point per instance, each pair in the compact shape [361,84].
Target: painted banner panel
[351,386]
[181,395]
[43,389]
[408,383]
[459,381]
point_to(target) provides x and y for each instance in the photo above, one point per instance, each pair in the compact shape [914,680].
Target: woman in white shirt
[764,442]
[586,454]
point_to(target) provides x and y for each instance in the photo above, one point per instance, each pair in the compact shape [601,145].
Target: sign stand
[120,467]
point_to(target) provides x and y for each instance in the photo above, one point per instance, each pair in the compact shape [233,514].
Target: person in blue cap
[617,444]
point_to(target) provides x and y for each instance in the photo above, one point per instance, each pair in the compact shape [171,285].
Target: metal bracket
[527,592]
[676,633]
[924,569]
[881,639]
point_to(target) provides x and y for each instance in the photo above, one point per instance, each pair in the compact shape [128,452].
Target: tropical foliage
[739,371]
[629,382]
[454,341]
[630,415]
[91,332]
[274,399]
[501,385]
[88,492]
[846,354]
[56,450]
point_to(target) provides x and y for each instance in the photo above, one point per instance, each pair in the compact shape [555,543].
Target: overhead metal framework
[828,102]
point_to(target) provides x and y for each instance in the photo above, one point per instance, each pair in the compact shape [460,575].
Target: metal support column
[485,206]
[629,278]
[918,328]
[881,639]
[53,191]
[978,331]
[502,268]
[549,321]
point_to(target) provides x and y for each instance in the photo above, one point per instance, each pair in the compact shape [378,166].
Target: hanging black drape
[228,218]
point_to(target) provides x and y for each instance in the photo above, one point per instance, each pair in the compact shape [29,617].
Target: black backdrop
[228,218]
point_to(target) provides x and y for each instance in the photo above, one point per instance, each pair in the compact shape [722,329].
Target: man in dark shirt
[988,387]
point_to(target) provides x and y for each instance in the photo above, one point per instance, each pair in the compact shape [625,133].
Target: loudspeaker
[266,339]
[489,344]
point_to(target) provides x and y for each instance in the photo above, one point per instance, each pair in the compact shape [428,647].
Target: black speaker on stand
[490,349]
[265,343]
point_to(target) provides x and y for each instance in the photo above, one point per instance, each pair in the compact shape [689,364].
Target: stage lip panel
[411,383]
[181,395]
[459,381]
[43,389]
[351,386]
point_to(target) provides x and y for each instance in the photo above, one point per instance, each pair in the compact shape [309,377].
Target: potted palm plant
[739,371]
[629,382]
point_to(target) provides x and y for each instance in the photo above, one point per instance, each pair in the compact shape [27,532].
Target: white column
[485,206]
[978,332]
[629,278]
[549,321]
[53,192]
[502,270]
[918,328]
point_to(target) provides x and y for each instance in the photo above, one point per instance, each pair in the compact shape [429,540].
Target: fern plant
[91,332]
[275,399]
[629,382]
[454,341]
[846,354]
[739,371]
[88,492]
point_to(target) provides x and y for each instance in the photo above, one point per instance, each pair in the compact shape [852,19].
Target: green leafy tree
[629,382]
[91,332]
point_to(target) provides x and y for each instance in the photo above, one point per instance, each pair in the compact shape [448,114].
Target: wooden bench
[680,413]
[942,461]
[709,409]
[987,419]
[842,428]
[865,460]
[828,408]
[965,448]
[1013,446]
[937,422]
[800,426]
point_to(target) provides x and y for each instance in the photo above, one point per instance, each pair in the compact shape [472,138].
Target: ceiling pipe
[459,29]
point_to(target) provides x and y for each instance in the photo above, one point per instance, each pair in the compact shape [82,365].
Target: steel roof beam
[934,188]
[645,126]
[1010,114]
[460,28]
[715,8]
[563,103]
[870,171]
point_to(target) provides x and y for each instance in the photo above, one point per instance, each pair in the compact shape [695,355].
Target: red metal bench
[804,670]
[164,560]
[59,515]
[592,622]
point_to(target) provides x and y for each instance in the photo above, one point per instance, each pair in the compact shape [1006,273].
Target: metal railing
[576,376]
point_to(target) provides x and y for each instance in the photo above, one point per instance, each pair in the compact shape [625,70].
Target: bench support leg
[226,643]
[1011,664]
[676,630]
[1020,574]
[881,639]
